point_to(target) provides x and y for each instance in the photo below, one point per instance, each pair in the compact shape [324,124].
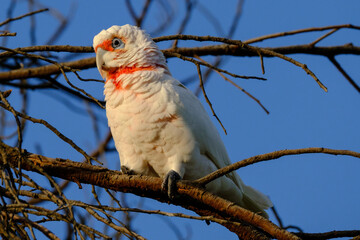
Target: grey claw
[127,170]
[169,184]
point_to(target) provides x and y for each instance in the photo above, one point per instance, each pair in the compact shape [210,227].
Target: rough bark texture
[190,197]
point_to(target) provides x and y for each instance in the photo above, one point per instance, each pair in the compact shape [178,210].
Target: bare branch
[52,128]
[8,107]
[323,37]
[238,87]
[7,34]
[214,50]
[207,99]
[191,197]
[212,67]
[328,235]
[271,156]
[26,221]
[22,16]
[47,70]
[189,6]
[49,48]
[342,71]
[145,9]
[313,29]
[256,50]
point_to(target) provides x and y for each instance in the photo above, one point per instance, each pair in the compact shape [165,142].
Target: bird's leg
[127,170]
[169,183]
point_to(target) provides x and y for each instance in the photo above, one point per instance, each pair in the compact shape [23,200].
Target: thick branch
[47,70]
[214,50]
[190,197]
[50,48]
[225,49]
[328,235]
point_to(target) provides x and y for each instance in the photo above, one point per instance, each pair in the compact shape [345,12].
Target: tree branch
[22,16]
[244,223]
[213,50]
[328,235]
[343,72]
[271,156]
[190,197]
[47,70]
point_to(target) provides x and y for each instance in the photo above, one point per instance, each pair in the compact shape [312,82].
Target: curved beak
[100,61]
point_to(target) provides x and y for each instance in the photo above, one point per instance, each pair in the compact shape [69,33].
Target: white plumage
[158,125]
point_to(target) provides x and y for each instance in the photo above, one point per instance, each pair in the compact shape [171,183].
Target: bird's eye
[117,43]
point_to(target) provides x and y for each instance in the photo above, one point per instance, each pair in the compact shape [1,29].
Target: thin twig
[143,13]
[101,149]
[296,63]
[238,87]
[81,90]
[54,130]
[131,10]
[313,29]
[252,49]
[22,16]
[271,156]
[7,34]
[34,224]
[189,8]
[220,59]
[207,99]
[343,72]
[214,68]
[323,37]
[16,116]
[262,62]
[158,212]
[62,69]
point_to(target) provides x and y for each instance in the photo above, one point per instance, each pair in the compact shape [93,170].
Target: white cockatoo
[160,128]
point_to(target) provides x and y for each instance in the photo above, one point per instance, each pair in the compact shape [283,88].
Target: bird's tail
[255,201]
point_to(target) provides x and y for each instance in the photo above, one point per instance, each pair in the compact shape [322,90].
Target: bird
[159,127]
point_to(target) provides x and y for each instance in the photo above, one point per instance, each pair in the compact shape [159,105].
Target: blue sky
[315,192]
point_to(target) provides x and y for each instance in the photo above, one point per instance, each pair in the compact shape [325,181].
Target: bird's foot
[169,184]
[127,170]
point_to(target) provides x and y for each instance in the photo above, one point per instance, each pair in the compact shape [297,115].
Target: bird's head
[126,49]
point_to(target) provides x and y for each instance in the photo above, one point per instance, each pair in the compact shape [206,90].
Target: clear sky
[314,192]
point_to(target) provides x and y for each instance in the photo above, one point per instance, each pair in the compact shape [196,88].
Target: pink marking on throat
[114,73]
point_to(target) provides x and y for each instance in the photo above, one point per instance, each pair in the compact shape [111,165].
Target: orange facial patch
[107,44]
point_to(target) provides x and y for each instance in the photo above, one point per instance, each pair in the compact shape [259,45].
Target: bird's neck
[128,82]
[116,73]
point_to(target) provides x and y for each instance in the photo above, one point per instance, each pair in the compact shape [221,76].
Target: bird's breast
[149,131]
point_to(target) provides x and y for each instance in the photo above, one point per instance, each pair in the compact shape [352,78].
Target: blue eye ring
[117,43]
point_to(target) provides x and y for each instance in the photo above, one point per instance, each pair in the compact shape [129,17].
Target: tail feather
[256,201]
